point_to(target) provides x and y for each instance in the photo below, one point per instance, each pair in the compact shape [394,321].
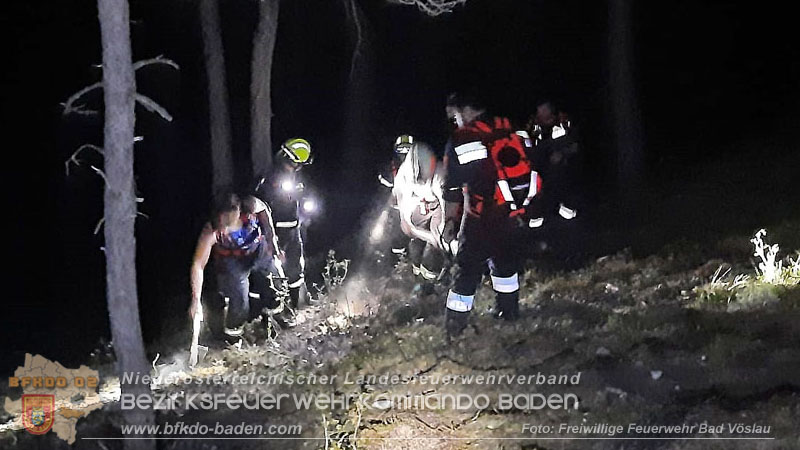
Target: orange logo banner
[38,412]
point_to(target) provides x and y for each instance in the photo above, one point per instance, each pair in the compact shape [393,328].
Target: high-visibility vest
[517,182]
[240,242]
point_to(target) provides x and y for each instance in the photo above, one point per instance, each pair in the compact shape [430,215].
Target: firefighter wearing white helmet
[389,219]
[402,145]
[283,188]
[418,192]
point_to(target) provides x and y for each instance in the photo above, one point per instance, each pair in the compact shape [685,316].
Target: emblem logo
[37,412]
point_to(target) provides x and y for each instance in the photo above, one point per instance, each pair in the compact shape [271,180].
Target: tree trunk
[626,116]
[260,86]
[219,117]
[119,87]
[359,100]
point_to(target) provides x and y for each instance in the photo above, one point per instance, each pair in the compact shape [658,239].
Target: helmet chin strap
[459,118]
[286,153]
[415,162]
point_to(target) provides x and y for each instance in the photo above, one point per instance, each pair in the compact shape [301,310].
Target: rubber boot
[298,295]
[294,298]
[455,322]
[285,319]
[214,312]
[507,306]
[234,335]
[427,288]
[416,247]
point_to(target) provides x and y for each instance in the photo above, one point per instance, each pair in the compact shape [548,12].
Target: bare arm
[268,230]
[264,214]
[201,254]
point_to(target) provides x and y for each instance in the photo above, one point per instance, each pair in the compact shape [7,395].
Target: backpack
[517,182]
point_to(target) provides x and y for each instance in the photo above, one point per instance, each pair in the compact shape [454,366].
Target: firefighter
[389,221]
[285,192]
[418,194]
[242,238]
[488,188]
[402,145]
[557,154]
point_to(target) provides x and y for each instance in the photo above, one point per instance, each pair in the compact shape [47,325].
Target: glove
[449,237]
[449,233]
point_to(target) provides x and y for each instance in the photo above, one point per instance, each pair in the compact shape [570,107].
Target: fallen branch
[360,409]
[434,428]
[327,436]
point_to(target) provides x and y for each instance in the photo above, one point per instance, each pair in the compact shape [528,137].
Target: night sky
[711,76]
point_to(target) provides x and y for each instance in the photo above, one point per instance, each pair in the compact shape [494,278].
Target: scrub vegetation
[670,338]
[700,330]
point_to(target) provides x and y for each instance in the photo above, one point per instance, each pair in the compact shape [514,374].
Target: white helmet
[403,143]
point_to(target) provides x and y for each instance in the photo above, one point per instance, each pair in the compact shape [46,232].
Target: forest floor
[662,340]
[682,333]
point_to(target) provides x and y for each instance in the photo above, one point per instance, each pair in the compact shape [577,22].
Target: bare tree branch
[102,220]
[69,105]
[71,108]
[99,225]
[157,60]
[152,106]
[101,173]
[74,157]
[353,12]
[432,7]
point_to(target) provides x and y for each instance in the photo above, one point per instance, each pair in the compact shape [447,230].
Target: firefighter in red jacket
[489,184]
